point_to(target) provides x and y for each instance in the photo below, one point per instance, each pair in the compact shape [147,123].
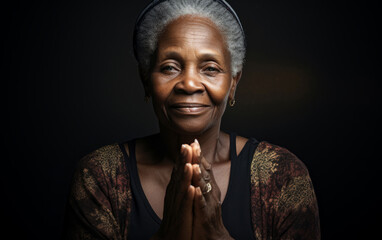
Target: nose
[189,83]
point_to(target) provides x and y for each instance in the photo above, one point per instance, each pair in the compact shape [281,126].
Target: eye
[168,69]
[211,70]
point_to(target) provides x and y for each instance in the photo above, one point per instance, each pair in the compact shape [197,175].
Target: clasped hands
[192,207]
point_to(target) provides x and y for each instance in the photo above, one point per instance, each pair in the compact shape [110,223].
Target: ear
[235,81]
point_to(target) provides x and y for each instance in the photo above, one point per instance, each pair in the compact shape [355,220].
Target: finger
[190,194]
[205,173]
[196,152]
[188,173]
[197,179]
[200,203]
[198,157]
[208,177]
[185,157]
[187,202]
[183,216]
[185,181]
[179,184]
[186,154]
[182,173]
[206,187]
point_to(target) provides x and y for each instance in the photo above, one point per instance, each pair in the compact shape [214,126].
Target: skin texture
[192,66]
[190,84]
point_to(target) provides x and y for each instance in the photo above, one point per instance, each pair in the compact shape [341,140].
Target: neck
[210,142]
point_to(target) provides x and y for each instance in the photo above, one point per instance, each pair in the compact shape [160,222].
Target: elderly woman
[191,180]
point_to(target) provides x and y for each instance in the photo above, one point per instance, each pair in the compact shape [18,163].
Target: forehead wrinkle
[194,28]
[193,40]
[189,37]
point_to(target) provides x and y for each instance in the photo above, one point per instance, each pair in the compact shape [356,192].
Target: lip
[189,108]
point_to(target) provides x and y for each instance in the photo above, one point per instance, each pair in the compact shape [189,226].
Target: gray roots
[162,14]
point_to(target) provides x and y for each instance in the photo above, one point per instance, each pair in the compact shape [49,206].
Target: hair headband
[156,2]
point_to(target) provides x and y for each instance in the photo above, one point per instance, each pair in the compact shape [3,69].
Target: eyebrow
[172,54]
[208,56]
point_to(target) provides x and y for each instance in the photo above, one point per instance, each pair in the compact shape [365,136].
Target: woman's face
[191,79]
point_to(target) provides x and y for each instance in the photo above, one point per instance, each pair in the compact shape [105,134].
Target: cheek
[160,91]
[160,94]
[158,88]
[219,92]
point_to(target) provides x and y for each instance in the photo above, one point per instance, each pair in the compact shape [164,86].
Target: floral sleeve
[98,206]
[283,201]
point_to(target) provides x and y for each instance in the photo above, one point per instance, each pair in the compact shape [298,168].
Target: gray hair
[156,19]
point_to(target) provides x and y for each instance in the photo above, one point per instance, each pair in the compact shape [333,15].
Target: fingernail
[200,171]
[186,167]
[183,150]
[196,141]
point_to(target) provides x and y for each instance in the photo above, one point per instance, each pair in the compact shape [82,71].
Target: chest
[155,178]
[148,185]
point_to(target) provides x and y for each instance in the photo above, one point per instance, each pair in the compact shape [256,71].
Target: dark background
[310,84]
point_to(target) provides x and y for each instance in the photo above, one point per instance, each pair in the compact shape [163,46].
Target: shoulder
[282,193]
[104,157]
[274,162]
[100,195]
[100,171]
[102,163]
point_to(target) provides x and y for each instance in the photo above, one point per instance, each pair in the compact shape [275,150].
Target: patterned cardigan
[283,202]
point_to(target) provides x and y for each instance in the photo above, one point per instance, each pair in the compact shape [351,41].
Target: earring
[147,99]
[232,102]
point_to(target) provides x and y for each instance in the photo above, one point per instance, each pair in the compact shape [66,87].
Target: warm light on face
[191,79]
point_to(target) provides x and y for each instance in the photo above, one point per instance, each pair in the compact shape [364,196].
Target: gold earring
[232,102]
[147,99]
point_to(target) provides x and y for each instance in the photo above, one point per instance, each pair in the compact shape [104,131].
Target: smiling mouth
[189,108]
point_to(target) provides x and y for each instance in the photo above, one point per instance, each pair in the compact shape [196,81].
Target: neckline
[133,168]
[136,181]
[234,159]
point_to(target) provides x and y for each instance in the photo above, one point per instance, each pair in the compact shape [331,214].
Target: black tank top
[236,211]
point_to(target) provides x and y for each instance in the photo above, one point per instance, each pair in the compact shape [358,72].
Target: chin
[189,127]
